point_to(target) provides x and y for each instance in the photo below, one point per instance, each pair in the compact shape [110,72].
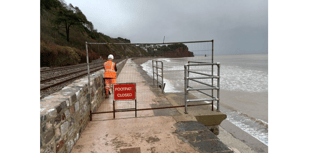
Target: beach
[247,110]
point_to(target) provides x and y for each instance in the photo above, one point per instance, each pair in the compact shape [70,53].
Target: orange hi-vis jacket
[109,67]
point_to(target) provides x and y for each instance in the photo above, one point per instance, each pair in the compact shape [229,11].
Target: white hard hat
[110,56]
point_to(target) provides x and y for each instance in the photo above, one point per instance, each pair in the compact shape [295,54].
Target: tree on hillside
[48,4]
[69,16]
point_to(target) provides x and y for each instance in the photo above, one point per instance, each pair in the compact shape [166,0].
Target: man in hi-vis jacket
[109,74]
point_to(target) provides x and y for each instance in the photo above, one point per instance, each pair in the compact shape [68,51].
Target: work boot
[107,93]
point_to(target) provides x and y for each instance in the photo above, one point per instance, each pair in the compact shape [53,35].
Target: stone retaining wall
[64,114]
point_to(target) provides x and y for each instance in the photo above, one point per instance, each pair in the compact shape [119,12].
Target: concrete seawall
[64,114]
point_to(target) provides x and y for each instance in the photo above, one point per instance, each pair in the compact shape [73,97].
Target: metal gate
[156,73]
[205,76]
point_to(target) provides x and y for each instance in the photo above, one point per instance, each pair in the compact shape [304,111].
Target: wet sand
[254,105]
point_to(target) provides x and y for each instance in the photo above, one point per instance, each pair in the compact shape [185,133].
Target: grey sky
[237,26]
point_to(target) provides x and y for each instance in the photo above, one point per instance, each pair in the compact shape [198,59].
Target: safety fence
[172,49]
[211,87]
[160,83]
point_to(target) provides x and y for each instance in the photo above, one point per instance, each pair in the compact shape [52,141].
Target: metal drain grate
[131,150]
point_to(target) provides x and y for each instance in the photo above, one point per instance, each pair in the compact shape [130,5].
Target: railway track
[54,79]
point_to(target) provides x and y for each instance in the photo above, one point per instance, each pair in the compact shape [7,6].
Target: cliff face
[61,47]
[179,52]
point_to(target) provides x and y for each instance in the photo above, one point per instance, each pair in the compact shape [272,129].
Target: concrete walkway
[128,74]
[148,132]
[145,133]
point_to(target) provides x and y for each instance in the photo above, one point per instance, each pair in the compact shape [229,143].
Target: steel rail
[203,83]
[200,64]
[203,93]
[73,66]
[195,89]
[197,62]
[192,78]
[67,74]
[197,100]
[66,80]
[200,73]
[64,70]
[65,67]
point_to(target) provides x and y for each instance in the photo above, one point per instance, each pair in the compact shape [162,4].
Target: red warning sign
[124,91]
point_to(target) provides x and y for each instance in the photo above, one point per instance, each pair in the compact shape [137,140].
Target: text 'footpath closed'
[123,89]
[124,95]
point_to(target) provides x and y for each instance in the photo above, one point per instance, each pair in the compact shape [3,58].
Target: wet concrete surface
[199,137]
[150,134]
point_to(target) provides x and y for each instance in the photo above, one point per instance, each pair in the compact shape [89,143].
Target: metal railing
[155,66]
[205,76]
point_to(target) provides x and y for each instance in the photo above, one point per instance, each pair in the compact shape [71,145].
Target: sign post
[124,91]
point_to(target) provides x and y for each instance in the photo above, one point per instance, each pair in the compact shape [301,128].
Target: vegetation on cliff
[64,31]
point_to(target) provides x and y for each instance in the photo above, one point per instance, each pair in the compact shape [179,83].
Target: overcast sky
[237,26]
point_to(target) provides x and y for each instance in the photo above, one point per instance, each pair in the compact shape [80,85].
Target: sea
[246,73]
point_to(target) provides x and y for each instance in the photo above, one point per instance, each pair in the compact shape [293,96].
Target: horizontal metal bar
[200,73]
[210,77]
[203,93]
[199,64]
[196,100]
[151,43]
[203,83]
[125,110]
[194,89]
[143,109]
[102,112]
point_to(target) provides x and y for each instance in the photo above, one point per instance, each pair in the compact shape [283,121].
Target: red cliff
[179,52]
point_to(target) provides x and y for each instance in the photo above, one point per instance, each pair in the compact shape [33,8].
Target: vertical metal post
[212,72]
[113,109]
[89,91]
[136,99]
[185,89]
[162,77]
[157,73]
[153,70]
[218,85]
[90,116]
[135,107]
[188,69]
